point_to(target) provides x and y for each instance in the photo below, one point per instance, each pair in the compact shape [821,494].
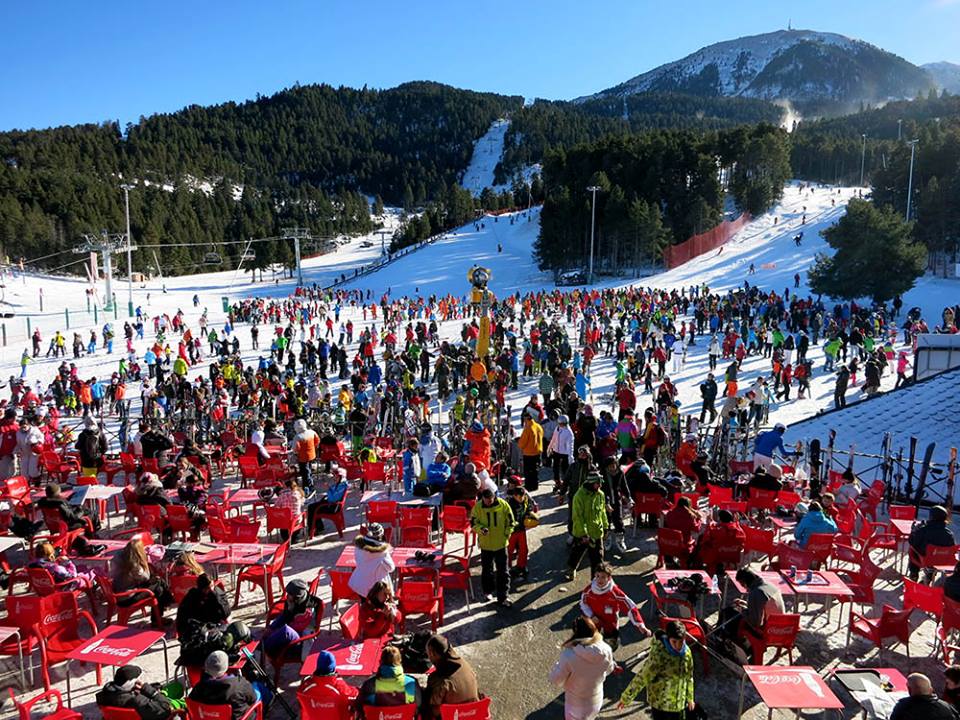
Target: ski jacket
[498,521]
[589,514]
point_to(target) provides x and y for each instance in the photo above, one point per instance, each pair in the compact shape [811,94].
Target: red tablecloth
[353,658]
[792,688]
[116,645]
[402,556]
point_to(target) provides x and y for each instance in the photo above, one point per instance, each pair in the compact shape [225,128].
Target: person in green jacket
[667,675]
[493,521]
[830,351]
[590,524]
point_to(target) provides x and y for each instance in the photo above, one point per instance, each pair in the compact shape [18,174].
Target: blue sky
[69,62]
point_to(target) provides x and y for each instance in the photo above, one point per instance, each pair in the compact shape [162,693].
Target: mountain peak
[946,75]
[807,67]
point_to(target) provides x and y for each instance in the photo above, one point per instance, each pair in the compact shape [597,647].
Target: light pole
[593,223]
[863,157]
[913,150]
[126,199]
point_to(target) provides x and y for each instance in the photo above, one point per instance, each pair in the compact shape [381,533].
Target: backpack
[204,638]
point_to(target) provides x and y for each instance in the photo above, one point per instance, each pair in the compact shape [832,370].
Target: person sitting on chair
[218,688]
[75,516]
[750,615]
[325,684]
[204,603]
[390,686]
[151,701]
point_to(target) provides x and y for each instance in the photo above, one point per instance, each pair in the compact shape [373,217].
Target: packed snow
[487,152]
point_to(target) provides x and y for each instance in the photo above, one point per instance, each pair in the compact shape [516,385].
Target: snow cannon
[481,298]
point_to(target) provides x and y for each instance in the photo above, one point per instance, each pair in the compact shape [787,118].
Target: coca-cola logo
[205,713]
[103,649]
[777,679]
[353,657]
[321,704]
[57,617]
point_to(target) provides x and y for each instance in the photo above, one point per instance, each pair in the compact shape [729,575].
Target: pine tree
[875,256]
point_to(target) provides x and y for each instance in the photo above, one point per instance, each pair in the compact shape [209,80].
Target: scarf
[674,653]
[598,589]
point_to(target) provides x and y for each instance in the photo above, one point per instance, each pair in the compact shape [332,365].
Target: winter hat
[690,437]
[588,410]
[593,478]
[326,664]
[563,420]
[89,423]
[476,426]
[297,589]
[216,664]
[126,676]
[725,516]
[374,533]
[299,426]
[150,480]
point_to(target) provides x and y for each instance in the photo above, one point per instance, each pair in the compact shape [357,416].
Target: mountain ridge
[818,71]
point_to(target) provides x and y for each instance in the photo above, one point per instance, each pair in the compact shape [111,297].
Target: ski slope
[487,152]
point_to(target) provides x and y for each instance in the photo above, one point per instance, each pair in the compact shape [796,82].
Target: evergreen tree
[874,255]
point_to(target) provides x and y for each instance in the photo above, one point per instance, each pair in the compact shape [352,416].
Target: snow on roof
[927,410]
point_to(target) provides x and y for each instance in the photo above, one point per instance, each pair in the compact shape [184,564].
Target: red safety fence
[704,242]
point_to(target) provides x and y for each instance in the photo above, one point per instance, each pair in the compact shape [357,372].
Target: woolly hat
[216,664]
[126,674]
[326,663]
[476,426]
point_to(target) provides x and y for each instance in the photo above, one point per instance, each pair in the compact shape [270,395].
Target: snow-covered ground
[487,152]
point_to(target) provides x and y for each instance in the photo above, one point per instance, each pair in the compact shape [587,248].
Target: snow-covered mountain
[816,70]
[946,75]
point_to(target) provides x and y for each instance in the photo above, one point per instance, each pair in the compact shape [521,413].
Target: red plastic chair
[282,518]
[395,712]
[340,590]
[243,529]
[942,558]
[23,613]
[336,517]
[57,525]
[58,632]
[454,574]
[24,709]
[248,466]
[376,472]
[181,584]
[789,556]
[42,583]
[479,710]
[670,543]
[891,623]
[420,597]
[202,711]
[152,519]
[331,705]
[821,545]
[758,499]
[144,601]
[902,512]
[16,489]
[455,520]
[383,512]
[925,598]
[788,499]
[179,520]
[116,713]
[128,463]
[350,622]
[58,469]
[740,467]
[415,517]
[416,536]
[219,529]
[861,583]
[949,623]
[685,609]
[262,576]
[759,540]
[780,632]
[646,504]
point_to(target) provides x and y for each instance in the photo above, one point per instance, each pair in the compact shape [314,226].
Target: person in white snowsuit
[584,663]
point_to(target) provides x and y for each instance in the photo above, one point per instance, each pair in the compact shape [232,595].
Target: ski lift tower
[383,234]
[106,244]
[296,234]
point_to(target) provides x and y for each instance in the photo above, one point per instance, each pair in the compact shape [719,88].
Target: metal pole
[108,273]
[913,150]
[126,200]
[899,130]
[296,250]
[863,157]
[593,223]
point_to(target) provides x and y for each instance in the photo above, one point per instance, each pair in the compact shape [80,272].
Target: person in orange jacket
[686,454]
[477,446]
[306,443]
[531,445]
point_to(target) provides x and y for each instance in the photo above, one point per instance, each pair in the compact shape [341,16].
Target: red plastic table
[5,634]
[354,658]
[824,583]
[400,498]
[896,679]
[785,687]
[117,645]
[664,576]
[402,556]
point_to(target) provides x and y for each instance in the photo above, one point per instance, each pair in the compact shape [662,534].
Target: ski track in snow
[441,268]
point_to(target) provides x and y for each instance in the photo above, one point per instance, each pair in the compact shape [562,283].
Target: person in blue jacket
[438,473]
[813,522]
[767,443]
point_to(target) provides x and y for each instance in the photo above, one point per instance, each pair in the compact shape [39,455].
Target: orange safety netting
[704,242]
